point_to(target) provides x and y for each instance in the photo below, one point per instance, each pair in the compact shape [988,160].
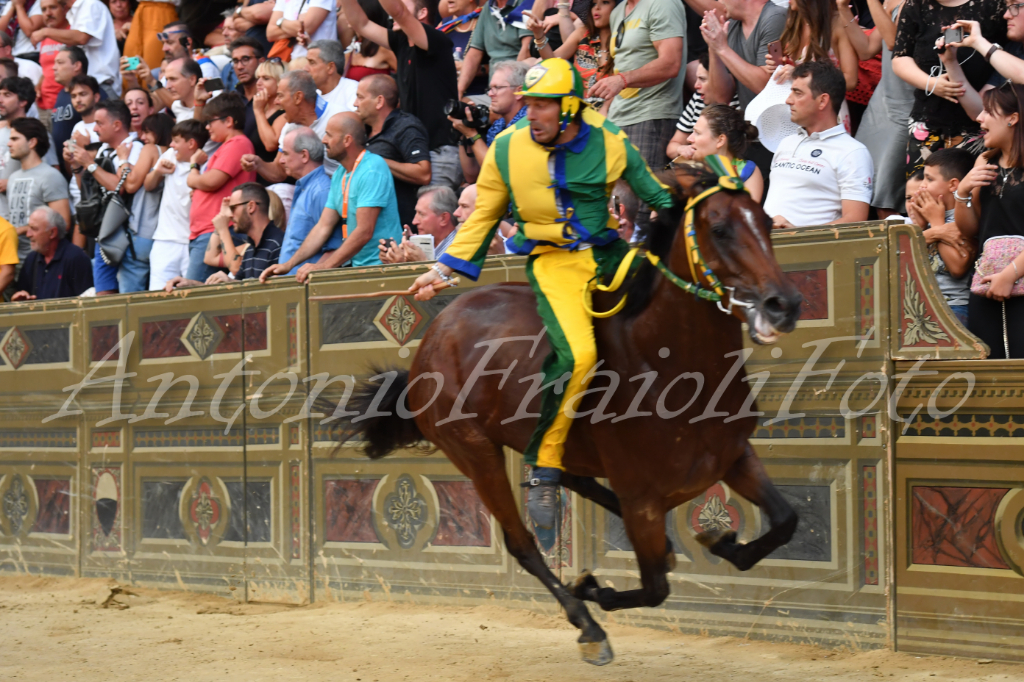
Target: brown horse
[653,352]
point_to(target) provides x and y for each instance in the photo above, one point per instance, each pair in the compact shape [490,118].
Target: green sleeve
[645,185]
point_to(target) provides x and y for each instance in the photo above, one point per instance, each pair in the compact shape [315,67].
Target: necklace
[1004,173]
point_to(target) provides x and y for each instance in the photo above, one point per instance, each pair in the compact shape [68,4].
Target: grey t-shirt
[9,166]
[754,48]
[649,22]
[955,291]
[27,190]
[496,35]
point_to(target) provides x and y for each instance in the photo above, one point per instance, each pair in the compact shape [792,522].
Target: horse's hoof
[597,653]
[710,538]
[584,582]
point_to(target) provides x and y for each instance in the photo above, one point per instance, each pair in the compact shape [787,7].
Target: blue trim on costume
[463,267]
[574,228]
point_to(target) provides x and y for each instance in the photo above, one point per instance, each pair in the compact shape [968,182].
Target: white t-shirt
[29,69]
[93,17]
[85,129]
[813,174]
[22,44]
[342,97]
[181,112]
[173,225]
[328,30]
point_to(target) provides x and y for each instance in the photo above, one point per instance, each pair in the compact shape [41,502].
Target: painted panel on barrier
[966,425]
[870,496]
[812,540]
[107,508]
[813,285]
[54,515]
[349,507]
[160,517]
[39,438]
[463,520]
[103,337]
[36,346]
[955,526]
[249,499]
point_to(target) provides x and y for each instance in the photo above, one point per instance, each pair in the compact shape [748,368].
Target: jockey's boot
[543,500]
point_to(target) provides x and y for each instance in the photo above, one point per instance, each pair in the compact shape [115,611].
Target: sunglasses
[164,37]
[620,34]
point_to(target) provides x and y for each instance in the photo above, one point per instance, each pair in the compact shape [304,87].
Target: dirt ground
[56,629]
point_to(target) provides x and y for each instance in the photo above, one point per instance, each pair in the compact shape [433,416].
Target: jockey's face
[543,114]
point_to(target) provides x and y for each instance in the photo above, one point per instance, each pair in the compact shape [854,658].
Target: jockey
[556,167]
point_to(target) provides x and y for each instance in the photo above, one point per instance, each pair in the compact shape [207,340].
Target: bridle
[713,291]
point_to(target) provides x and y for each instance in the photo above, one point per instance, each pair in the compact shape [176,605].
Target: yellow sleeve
[8,243]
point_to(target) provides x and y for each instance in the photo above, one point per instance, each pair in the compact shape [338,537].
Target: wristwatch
[193,166]
[279,22]
[238,10]
[91,168]
[992,51]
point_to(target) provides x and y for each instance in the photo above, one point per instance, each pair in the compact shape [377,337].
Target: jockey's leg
[559,279]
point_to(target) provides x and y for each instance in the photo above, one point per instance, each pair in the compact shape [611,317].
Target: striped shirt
[259,257]
[693,110]
[445,243]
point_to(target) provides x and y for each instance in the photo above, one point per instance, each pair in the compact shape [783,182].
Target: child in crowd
[169,256]
[931,205]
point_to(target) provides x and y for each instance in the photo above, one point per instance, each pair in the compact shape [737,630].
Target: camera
[954,34]
[481,114]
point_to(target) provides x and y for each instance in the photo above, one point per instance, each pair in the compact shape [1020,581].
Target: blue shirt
[311,192]
[372,187]
[500,125]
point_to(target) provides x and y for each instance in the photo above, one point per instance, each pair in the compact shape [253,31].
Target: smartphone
[388,242]
[954,34]
[775,51]
[213,84]
[134,63]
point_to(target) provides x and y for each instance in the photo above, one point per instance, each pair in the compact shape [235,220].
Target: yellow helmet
[556,78]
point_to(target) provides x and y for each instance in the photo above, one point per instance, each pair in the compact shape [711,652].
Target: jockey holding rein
[557,167]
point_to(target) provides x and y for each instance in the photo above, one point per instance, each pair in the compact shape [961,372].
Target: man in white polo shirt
[820,175]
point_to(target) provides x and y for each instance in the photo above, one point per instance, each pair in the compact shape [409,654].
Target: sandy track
[52,629]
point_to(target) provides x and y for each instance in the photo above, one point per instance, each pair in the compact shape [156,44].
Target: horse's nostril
[774,305]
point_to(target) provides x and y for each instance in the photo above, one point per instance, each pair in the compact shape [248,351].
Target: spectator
[990,202]
[721,131]
[92,29]
[506,80]
[105,167]
[269,115]
[302,156]
[396,136]
[229,35]
[369,58]
[181,76]
[317,19]
[813,33]
[588,44]
[932,207]
[69,62]
[624,207]
[822,165]
[326,64]
[27,68]
[737,57]
[462,17]
[364,191]
[937,118]
[56,268]
[225,116]
[16,97]
[121,13]
[29,19]
[54,16]
[169,257]
[679,145]
[176,43]
[140,106]
[35,183]
[246,57]
[496,38]
[883,129]
[1007,62]
[251,18]
[435,216]
[143,38]
[9,259]
[85,95]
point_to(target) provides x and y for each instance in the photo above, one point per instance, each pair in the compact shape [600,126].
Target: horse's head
[733,235]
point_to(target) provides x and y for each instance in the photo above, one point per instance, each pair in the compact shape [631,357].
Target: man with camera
[473,121]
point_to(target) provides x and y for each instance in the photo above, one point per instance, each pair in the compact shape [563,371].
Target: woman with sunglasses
[989,203]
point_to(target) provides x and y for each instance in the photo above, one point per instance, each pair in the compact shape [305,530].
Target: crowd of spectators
[168,143]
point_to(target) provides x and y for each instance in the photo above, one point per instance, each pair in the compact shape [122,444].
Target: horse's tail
[384,430]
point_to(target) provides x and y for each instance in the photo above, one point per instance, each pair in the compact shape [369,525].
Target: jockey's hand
[428,284]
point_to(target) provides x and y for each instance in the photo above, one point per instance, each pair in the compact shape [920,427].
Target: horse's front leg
[645,527]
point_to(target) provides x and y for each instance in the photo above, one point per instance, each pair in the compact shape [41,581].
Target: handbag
[996,255]
[113,239]
[90,208]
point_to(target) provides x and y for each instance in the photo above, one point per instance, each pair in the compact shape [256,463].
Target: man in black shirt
[398,136]
[426,75]
[69,62]
[56,268]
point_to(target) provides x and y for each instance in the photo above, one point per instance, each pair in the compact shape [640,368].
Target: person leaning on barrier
[301,155]
[56,268]
[435,216]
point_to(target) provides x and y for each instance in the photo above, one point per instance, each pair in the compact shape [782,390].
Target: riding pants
[559,279]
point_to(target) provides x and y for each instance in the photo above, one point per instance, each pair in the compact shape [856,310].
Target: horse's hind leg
[749,479]
[492,484]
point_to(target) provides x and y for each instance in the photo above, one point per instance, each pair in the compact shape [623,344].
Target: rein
[714,292]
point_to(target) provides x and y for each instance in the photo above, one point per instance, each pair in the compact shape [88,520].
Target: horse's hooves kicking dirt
[710,538]
[597,653]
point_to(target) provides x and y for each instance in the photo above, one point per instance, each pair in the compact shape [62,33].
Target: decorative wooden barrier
[907,538]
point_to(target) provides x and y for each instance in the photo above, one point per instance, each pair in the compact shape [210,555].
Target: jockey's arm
[643,182]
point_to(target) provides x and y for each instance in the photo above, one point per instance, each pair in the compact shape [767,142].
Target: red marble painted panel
[256,331]
[955,526]
[54,506]
[253,326]
[162,338]
[813,284]
[101,340]
[463,520]
[348,505]
[231,325]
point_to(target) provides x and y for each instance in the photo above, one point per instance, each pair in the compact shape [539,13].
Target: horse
[669,329]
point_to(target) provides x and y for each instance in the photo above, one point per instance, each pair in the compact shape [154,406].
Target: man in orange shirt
[8,255]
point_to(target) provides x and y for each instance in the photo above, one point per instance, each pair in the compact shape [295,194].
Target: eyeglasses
[495,88]
[211,120]
[243,60]
[619,34]
[164,37]
[1014,10]
[241,203]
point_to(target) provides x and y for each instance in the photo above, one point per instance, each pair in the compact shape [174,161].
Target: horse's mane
[661,235]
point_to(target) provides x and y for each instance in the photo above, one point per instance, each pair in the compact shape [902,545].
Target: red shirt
[206,205]
[49,88]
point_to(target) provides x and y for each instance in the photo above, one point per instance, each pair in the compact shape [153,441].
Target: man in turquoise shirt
[362,205]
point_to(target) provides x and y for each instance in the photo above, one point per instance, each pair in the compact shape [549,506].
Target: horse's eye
[720,230]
